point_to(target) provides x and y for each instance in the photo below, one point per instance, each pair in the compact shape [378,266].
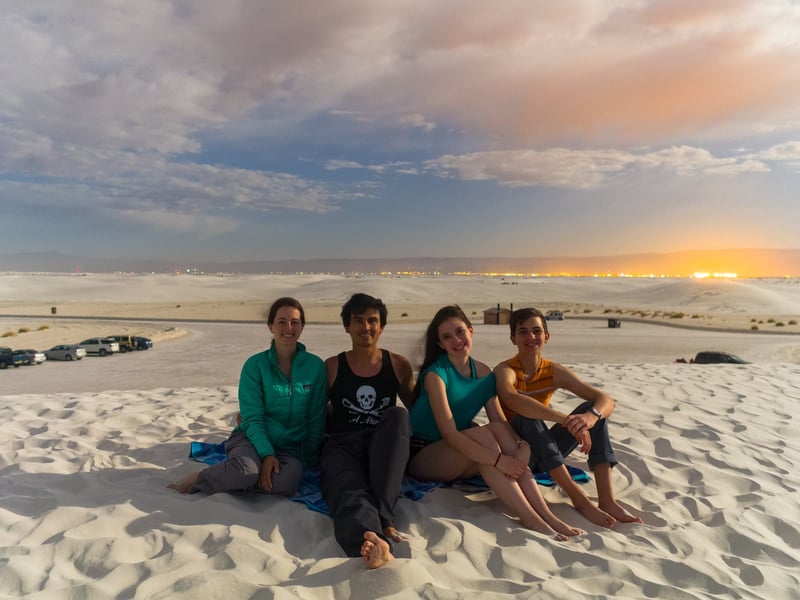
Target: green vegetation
[23,330]
[43,328]
[9,334]
[754,327]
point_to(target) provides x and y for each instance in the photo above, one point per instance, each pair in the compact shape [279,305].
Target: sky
[258,130]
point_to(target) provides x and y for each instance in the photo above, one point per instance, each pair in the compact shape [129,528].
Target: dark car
[7,358]
[142,343]
[36,357]
[707,358]
[22,357]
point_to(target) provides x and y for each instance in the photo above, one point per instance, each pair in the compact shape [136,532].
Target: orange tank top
[539,386]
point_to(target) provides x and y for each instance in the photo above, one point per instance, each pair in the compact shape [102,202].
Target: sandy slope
[708,454]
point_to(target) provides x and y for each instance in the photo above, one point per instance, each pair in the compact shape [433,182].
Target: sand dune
[707,452]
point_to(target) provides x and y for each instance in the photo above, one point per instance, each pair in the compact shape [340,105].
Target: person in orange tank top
[525,385]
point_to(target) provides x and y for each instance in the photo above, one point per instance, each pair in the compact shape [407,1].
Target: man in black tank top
[366,450]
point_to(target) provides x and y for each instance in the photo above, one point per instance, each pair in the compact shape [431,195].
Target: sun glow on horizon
[705,275]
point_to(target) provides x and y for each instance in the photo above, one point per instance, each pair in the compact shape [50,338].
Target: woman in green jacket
[282,398]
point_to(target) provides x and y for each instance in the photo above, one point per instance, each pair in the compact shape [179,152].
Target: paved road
[213,353]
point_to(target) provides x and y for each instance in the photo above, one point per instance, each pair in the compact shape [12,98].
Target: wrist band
[497,460]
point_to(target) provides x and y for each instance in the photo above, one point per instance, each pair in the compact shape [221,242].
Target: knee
[247,469]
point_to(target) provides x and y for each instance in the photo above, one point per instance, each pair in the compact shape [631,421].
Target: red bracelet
[497,460]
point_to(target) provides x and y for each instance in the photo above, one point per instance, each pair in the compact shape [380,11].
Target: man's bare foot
[392,533]
[184,485]
[620,514]
[375,551]
[595,514]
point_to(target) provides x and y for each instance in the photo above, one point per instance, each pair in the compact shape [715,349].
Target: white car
[554,315]
[65,352]
[100,346]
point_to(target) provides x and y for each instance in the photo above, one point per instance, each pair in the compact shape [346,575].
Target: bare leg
[533,494]
[511,495]
[184,485]
[580,500]
[375,551]
[606,499]
[527,484]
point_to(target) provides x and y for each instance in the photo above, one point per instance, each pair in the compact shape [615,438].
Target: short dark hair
[280,303]
[359,304]
[523,314]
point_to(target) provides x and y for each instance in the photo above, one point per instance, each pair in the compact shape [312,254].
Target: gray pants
[242,468]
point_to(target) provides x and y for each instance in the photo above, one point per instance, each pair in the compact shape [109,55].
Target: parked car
[705,358]
[100,346]
[8,358]
[143,343]
[554,315]
[21,357]
[127,343]
[65,352]
[36,357]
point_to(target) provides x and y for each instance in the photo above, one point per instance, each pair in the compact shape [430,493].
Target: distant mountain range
[754,262]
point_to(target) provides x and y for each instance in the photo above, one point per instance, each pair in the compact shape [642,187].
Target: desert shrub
[754,327]
[404,315]
[792,322]
[23,330]
[606,311]
[587,310]
[695,316]
[9,334]
[43,328]
[779,324]
[676,315]
[753,320]
[770,320]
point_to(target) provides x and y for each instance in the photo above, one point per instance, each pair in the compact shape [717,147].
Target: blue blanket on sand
[310,494]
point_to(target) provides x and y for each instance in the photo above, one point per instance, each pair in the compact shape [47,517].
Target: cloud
[584,169]
[116,99]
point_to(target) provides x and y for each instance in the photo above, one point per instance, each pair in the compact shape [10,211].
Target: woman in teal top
[283,393]
[452,388]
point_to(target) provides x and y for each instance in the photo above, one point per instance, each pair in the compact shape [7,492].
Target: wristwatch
[596,413]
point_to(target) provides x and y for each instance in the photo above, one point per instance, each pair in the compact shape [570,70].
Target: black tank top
[359,402]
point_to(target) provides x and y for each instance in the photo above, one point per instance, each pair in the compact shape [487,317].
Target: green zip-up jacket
[282,415]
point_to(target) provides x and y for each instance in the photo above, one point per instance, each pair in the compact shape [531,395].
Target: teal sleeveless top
[466,397]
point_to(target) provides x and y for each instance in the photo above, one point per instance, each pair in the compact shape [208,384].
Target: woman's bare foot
[617,511]
[392,533]
[565,529]
[184,485]
[375,551]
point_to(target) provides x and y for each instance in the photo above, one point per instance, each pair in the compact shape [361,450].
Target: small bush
[695,316]
[23,330]
[606,311]
[587,310]
[792,322]
[770,320]
[677,315]
[404,315]
[779,324]
[43,328]
[9,334]
[753,320]
[754,327]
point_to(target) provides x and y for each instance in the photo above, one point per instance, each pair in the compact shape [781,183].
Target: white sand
[707,453]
